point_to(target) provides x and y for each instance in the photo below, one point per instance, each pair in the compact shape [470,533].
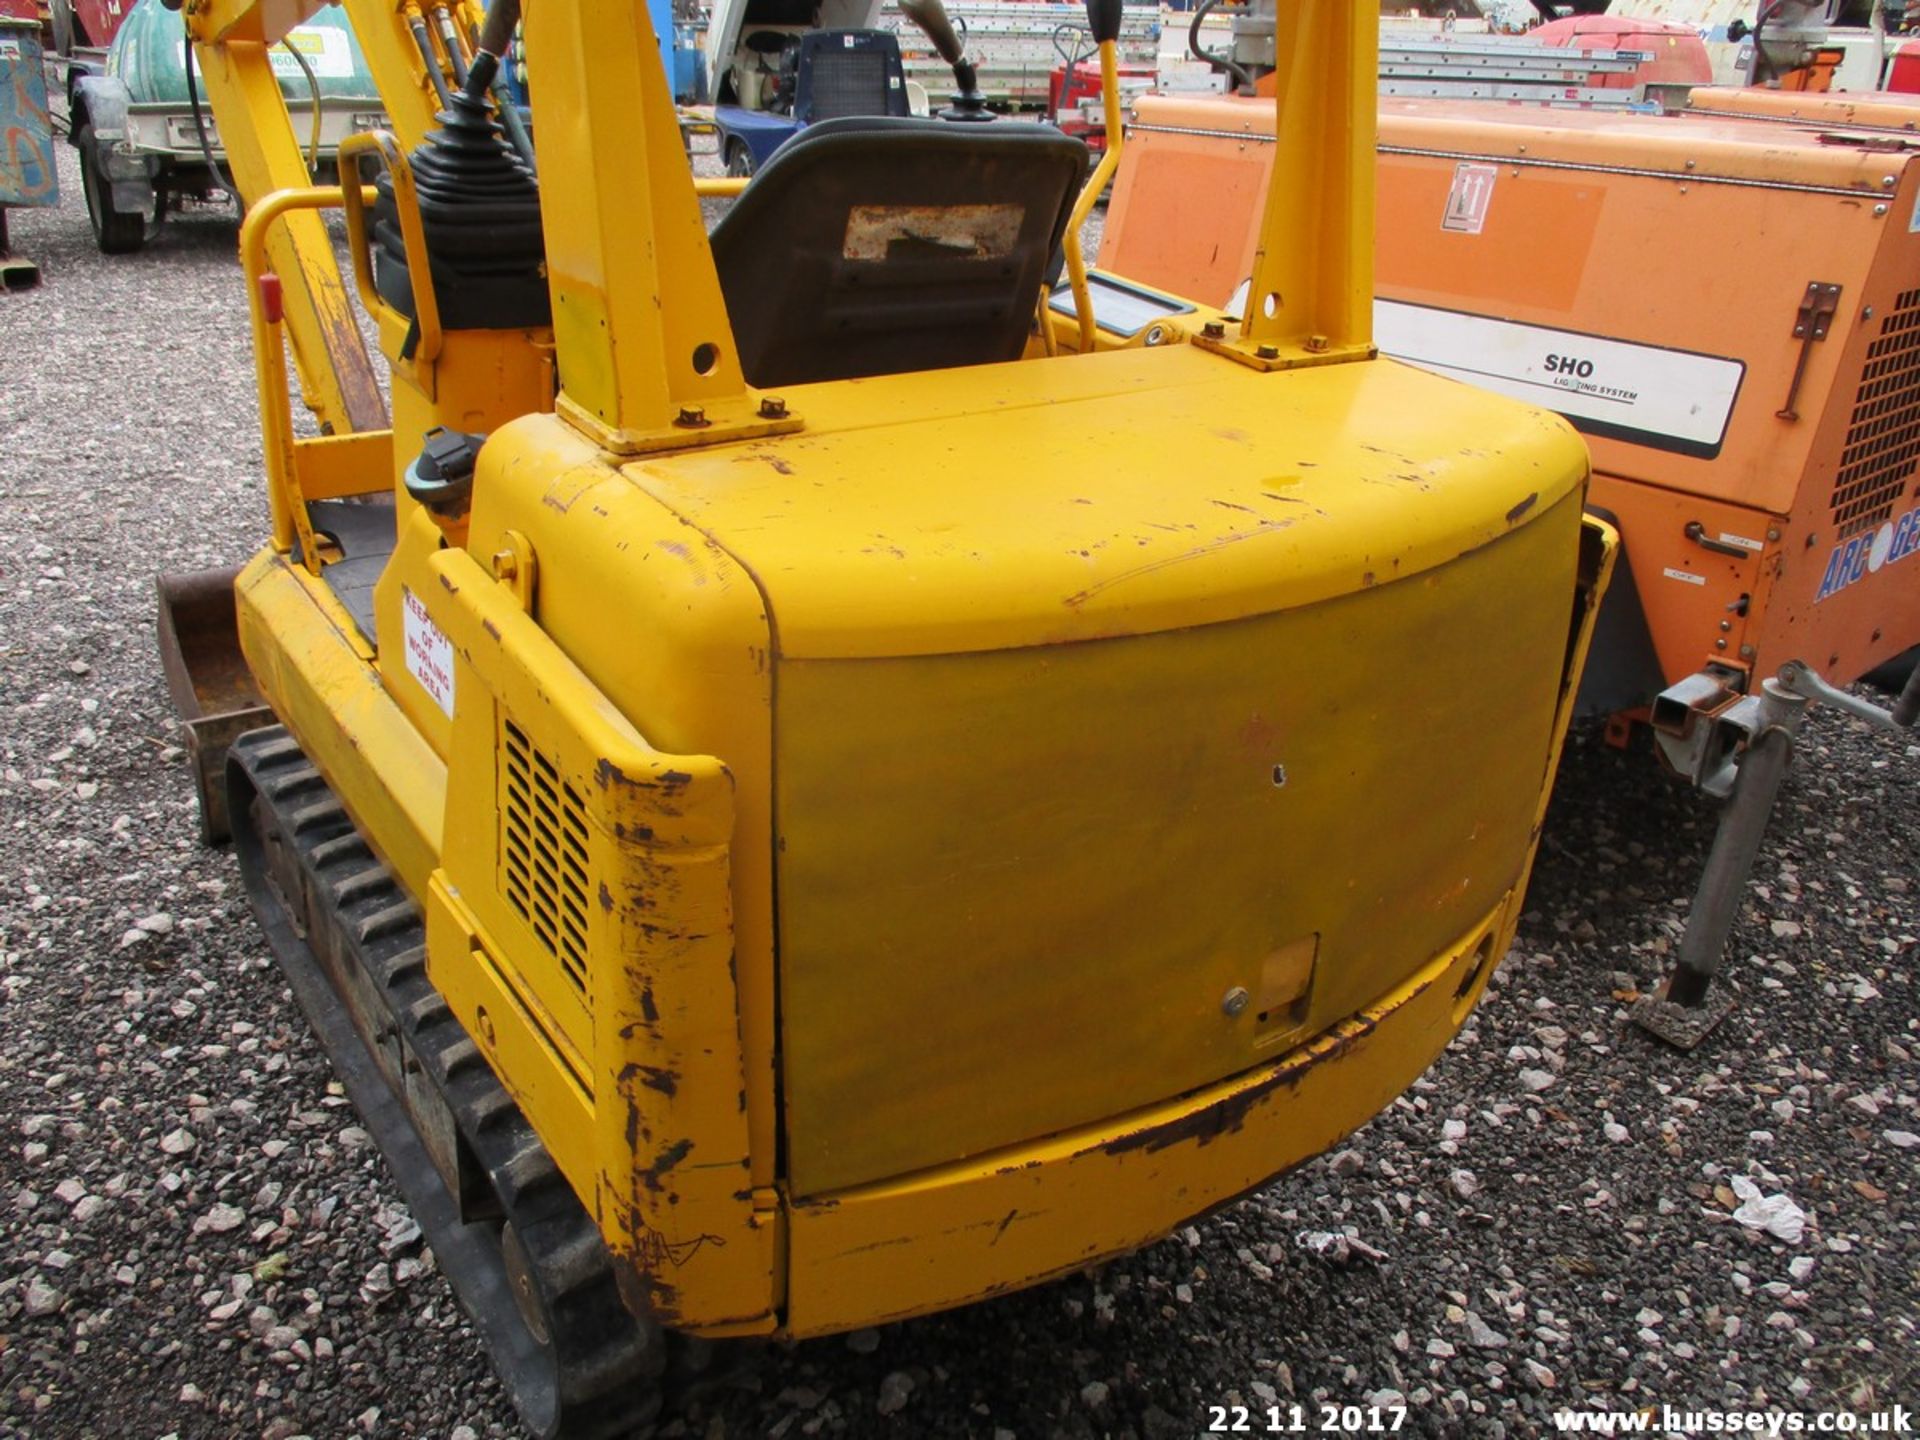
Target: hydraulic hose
[206,146]
[418,25]
[450,41]
[313,92]
[1219,62]
[1759,51]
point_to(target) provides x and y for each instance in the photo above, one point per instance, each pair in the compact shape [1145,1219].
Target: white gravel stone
[41,1298]
[222,1218]
[895,1390]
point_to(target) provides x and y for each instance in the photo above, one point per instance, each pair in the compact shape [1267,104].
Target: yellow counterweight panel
[971,1230]
[1156,490]
[964,1230]
[1017,888]
[581,929]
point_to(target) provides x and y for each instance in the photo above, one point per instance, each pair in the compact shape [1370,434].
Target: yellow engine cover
[1055,795]
[1093,714]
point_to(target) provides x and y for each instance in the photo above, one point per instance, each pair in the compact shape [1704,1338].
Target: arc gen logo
[1863,555]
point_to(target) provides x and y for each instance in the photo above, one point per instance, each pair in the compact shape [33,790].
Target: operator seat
[872,246]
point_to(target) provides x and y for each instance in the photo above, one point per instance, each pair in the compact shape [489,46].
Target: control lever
[1103,20]
[931,17]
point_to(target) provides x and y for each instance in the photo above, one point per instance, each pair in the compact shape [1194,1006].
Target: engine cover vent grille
[544,858]
[1883,437]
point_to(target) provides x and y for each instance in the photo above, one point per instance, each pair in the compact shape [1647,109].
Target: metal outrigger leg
[1688,1005]
[16,271]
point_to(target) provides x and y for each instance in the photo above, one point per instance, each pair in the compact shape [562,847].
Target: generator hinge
[1815,318]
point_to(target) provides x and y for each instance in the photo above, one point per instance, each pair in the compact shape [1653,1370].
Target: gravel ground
[198,1239]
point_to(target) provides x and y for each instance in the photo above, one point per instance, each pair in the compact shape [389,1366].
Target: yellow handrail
[413,235]
[284,503]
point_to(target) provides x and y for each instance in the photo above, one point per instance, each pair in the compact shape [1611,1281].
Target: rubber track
[602,1365]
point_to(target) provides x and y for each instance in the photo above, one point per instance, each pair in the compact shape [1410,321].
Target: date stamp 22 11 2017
[1319,1419]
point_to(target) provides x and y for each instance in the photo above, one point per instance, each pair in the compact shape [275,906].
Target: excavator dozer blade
[208,677]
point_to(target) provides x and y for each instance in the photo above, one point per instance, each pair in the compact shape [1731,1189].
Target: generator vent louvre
[1883,437]
[545,865]
[849,82]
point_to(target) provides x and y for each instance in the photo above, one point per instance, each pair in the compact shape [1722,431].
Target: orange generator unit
[1727,306]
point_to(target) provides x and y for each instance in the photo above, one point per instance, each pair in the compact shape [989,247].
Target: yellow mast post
[645,364]
[1311,300]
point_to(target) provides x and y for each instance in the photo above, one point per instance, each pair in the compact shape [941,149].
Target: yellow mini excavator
[819,773]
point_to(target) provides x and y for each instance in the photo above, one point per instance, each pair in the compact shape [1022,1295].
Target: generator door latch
[1811,324]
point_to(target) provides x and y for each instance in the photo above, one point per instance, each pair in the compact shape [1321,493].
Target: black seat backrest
[877,246]
[848,72]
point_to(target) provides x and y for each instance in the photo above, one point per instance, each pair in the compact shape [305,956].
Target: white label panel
[1469,198]
[429,652]
[1669,399]
[327,51]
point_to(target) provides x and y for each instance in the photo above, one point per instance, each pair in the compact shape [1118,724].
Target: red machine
[1073,98]
[85,23]
[1903,74]
[1679,54]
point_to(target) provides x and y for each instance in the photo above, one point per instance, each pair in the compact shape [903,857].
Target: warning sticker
[1470,198]
[429,652]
